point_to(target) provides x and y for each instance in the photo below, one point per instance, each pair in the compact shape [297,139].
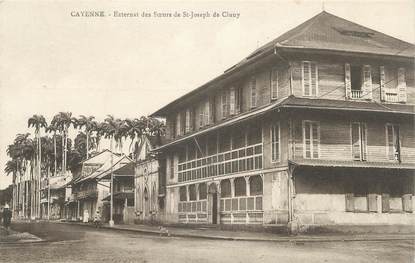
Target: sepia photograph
[207,131]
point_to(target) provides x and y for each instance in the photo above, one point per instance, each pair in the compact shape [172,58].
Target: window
[212,144]
[238,107]
[358,81]
[359,141]
[274,84]
[178,122]
[232,101]
[311,139]
[402,85]
[192,192]
[224,141]
[275,142]
[240,186]
[183,122]
[224,100]
[207,112]
[211,110]
[183,193]
[238,138]
[253,92]
[393,142]
[225,186]
[309,78]
[172,167]
[202,191]
[255,185]
[188,120]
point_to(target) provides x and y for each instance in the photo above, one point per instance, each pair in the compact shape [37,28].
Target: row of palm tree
[51,155]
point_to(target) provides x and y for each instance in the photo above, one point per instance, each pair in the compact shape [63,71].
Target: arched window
[225,186]
[255,185]
[202,191]
[183,193]
[192,192]
[240,186]
[138,198]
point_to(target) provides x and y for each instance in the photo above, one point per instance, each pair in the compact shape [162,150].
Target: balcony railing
[391,97]
[238,160]
[88,193]
[356,94]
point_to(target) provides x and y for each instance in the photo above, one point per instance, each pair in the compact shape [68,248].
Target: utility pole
[111,222]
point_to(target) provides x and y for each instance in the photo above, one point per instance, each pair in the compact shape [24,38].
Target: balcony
[87,193]
[238,160]
[357,94]
[391,97]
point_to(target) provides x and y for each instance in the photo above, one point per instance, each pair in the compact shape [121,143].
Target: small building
[149,182]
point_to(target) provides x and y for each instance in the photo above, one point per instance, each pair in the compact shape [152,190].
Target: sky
[53,61]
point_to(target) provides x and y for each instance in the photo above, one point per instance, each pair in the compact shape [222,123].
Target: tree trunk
[54,151]
[87,143]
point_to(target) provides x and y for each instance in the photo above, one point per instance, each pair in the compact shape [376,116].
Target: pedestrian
[97,219]
[7,216]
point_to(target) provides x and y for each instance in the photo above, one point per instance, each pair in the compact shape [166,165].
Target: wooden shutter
[201,115]
[187,129]
[232,99]
[224,104]
[356,153]
[401,85]
[373,203]
[207,112]
[253,92]
[212,110]
[367,82]
[178,122]
[382,83]
[349,202]
[385,203]
[347,80]
[192,119]
[363,135]
[314,78]
[305,66]
[274,84]
[389,142]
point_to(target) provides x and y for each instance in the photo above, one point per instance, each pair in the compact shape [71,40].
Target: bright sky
[129,67]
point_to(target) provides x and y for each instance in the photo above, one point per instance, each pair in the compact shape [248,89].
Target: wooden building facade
[313,128]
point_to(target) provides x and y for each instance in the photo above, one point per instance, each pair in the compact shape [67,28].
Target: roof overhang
[351,164]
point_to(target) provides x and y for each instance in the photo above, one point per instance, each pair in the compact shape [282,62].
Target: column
[232,180]
[248,193]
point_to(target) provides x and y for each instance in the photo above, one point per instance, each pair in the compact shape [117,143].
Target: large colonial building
[313,128]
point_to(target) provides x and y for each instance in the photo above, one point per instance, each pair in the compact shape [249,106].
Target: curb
[227,238]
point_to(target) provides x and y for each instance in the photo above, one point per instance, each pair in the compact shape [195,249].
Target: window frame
[311,139]
[362,142]
[273,144]
[310,78]
[254,92]
[274,80]
[393,125]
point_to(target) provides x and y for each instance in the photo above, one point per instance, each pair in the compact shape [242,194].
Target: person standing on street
[97,219]
[7,216]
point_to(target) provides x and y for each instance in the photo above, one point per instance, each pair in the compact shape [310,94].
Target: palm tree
[63,121]
[89,124]
[38,122]
[53,128]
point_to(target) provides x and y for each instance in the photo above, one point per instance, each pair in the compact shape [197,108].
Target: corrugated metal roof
[323,32]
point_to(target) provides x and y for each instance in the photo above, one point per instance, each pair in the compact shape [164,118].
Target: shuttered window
[401,85]
[382,83]
[178,122]
[232,100]
[253,92]
[309,78]
[347,80]
[311,139]
[274,84]
[211,110]
[367,82]
[206,114]
[393,142]
[224,100]
[275,142]
[359,141]
[238,102]
[188,121]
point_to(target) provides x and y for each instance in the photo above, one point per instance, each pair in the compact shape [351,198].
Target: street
[73,243]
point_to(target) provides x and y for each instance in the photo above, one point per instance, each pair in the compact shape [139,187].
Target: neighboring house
[57,195]
[149,182]
[313,128]
[90,188]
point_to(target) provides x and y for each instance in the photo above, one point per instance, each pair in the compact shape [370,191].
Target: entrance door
[214,208]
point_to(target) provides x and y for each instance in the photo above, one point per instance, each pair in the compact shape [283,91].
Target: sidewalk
[215,234]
